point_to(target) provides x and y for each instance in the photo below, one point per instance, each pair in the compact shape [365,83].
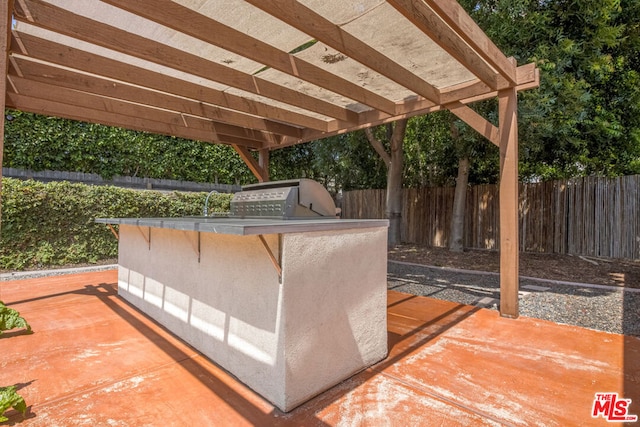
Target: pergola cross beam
[481,125]
[45,73]
[258,170]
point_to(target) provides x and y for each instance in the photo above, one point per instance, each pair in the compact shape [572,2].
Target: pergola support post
[509,239]
[506,138]
[263,162]
[5,33]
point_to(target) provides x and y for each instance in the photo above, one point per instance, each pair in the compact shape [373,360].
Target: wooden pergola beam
[101,103]
[86,62]
[299,16]
[45,107]
[64,77]
[257,170]
[528,77]
[450,26]
[509,237]
[5,35]
[180,18]
[220,118]
[481,125]
[467,29]
[50,17]
[373,119]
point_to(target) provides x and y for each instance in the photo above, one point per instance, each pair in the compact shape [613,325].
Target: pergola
[265,74]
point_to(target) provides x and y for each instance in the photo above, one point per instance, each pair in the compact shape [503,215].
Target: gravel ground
[603,308]
[20,275]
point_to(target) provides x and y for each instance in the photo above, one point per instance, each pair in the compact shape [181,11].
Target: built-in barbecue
[291,199]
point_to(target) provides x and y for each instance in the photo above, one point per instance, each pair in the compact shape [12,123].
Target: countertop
[247,226]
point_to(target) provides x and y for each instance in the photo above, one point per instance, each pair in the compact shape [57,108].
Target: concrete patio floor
[94,360]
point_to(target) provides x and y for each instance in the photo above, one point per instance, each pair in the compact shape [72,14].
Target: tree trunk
[394,183]
[395,164]
[456,244]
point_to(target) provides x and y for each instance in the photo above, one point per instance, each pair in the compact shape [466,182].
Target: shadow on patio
[95,360]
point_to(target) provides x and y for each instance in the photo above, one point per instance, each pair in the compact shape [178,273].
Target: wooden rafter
[528,77]
[175,16]
[373,119]
[86,62]
[447,24]
[44,107]
[64,77]
[49,17]
[298,15]
[102,103]
[456,17]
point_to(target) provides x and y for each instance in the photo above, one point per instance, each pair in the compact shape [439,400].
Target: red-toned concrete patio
[95,360]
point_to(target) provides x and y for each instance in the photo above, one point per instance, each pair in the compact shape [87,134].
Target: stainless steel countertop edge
[250,226]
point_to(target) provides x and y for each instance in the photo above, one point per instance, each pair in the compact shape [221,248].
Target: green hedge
[52,224]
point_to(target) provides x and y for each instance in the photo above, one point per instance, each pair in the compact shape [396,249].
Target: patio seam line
[537,279]
[437,396]
[80,392]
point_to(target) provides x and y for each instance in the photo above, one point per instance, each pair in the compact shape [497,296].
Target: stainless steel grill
[291,199]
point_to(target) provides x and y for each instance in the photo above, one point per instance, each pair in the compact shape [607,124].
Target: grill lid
[291,199]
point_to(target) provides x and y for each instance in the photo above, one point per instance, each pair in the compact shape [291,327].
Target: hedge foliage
[52,224]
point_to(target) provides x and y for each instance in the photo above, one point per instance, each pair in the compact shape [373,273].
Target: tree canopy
[584,119]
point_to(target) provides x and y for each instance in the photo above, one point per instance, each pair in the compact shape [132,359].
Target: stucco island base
[288,337]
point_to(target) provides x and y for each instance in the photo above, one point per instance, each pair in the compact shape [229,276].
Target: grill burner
[291,199]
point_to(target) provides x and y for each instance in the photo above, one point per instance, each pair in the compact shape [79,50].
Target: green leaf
[11,319]
[9,398]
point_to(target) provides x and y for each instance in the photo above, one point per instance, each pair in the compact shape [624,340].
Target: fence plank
[590,216]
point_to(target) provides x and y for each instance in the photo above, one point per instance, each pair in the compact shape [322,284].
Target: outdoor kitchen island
[291,307]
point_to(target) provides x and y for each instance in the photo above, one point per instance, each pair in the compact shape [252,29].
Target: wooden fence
[586,216]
